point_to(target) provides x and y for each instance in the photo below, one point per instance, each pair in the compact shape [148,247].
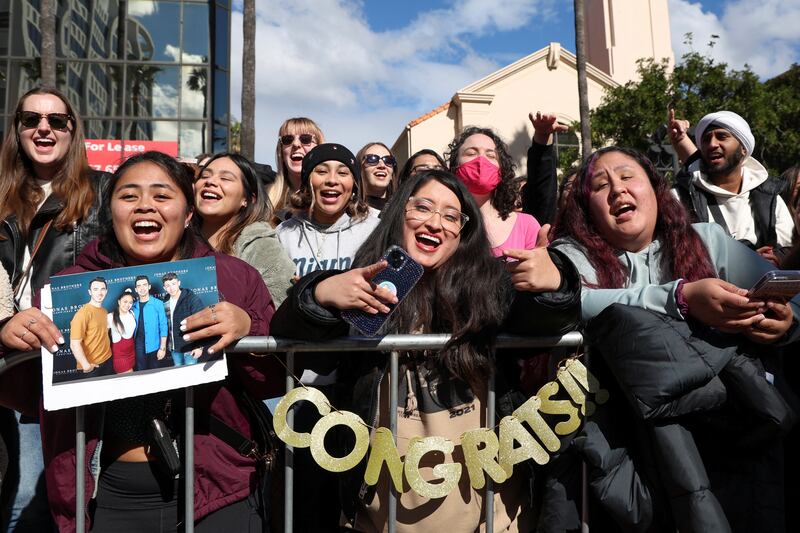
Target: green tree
[235,143]
[635,114]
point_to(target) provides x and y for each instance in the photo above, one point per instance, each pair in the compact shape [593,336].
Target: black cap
[330,152]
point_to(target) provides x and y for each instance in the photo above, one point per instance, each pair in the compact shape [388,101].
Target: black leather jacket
[59,249]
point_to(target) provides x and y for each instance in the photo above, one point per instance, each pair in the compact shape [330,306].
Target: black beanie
[330,152]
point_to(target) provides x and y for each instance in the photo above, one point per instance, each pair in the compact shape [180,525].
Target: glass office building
[137,70]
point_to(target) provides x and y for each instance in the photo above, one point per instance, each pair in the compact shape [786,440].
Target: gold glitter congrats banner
[484,452]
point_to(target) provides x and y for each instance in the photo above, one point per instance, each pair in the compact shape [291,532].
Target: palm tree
[142,76]
[248,134]
[583,91]
[198,81]
[47,26]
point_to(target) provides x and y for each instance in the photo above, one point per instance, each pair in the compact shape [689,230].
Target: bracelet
[683,307]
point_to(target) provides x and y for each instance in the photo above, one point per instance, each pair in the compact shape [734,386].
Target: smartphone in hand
[776,285]
[399,276]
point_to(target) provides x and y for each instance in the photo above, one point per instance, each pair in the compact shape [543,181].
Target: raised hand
[354,289]
[676,128]
[534,270]
[544,125]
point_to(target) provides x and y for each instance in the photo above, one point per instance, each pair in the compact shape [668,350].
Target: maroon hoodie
[222,476]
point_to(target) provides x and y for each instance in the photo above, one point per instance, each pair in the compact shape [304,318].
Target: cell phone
[777,285]
[399,276]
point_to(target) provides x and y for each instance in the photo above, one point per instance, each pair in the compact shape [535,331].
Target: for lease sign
[108,154]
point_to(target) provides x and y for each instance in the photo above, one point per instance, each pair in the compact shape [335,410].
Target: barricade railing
[267,345]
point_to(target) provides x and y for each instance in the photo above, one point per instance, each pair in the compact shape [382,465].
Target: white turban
[731,122]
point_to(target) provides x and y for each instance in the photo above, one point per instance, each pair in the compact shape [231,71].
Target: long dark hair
[181,174]
[504,197]
[72,183]
[258,208]
[115,313]
[468,295]
[683,253]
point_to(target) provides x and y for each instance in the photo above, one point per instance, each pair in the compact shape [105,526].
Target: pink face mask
[480,175]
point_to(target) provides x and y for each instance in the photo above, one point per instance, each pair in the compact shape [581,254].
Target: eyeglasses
[371,160]
[421,210]
[422,168]
[305,139]
[57,121]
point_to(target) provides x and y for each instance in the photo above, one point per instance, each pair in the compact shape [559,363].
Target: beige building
[619,32]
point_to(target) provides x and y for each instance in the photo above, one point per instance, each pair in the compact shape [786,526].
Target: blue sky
[363,69]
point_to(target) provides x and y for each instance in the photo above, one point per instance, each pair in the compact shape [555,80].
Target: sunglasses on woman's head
[31,119]
[305,139]
[371,160]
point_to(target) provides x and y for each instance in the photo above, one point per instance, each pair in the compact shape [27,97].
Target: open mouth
[380,174]
[329,196]
[623,211]
[297,156]
[208,195]
[146,229]
[44,143]
[427,242]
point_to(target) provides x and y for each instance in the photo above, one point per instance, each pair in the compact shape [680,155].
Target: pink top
[523,235]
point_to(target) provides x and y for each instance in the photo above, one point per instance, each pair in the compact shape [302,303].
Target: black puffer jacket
[301,317]
[691,439]
[59,249]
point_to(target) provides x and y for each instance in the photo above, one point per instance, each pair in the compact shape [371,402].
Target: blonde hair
[280,190]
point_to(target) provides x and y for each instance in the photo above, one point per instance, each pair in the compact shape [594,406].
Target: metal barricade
[266,345]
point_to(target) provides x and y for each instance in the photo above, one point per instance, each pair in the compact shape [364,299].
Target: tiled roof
[428,115]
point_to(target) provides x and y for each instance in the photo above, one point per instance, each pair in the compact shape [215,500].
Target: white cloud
[321,59]
[759,33]
[142,8]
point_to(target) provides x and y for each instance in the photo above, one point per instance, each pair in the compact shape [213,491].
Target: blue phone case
[400,276]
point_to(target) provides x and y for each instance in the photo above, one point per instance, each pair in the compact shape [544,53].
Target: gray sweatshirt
[314,247]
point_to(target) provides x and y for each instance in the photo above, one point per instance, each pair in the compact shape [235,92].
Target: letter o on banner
[321,455]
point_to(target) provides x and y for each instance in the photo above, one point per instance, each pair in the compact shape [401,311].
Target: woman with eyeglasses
[480,159]
[378,169]
[48,212]
[296,137]
[425,159]
[233,215]
[463,292]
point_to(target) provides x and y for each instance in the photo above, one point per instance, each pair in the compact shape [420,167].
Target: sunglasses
[57,121]
[371,160]
[305,139]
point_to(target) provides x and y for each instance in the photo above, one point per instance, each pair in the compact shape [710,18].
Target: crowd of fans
[697,434]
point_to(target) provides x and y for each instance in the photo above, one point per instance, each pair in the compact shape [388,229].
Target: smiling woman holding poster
[149,205]
[435,220]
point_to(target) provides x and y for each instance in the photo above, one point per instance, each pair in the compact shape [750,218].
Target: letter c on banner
[284,432]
